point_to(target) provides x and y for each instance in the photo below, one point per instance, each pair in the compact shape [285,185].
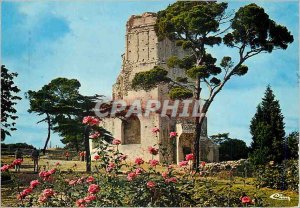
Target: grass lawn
[9,191]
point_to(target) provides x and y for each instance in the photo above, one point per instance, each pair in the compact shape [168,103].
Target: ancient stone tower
[143,51]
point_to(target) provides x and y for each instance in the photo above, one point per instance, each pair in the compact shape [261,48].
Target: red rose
[90,179]
[48,192]
[94,135]
[173,134]
[139,161]
[189,157]
[183,163]
[155,130]
[151,184]
[131,176]
[203,164]
[171,180]
[90,198]
[80,203]
[34,183]
[246,199]
[116,142]
[165,174]
[152,150]
[93,188]
[42,199]
[97,157]
[153,163]
[138,171]
[52,171]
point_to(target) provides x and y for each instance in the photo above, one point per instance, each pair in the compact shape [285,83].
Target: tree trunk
[197,129]
[87,149]
[49,131]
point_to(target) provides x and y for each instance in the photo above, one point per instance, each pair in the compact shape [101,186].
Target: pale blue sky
[85,40]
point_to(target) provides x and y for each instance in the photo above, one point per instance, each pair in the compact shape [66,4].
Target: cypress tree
[267,130]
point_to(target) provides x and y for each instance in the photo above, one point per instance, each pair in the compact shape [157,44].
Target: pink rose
[246,200]
[97,157]
[80,203]
[72,182]
[152,150]
[90,198]
[138,171]
[116,142]
[5,168]
[183,163]
[203,164]
[151,184]
[34,183]
[48,192]
[57,164]
[173,134]
[90,120]
[26,191]
[42,199]
[94,135]
[52,171]
[164,174]
[153,163]
[155,130]
[93,188]
[139,161]
[171,180]
[189,157]
[131,176]
[90,179]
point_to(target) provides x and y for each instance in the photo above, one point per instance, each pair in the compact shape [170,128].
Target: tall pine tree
[267,130]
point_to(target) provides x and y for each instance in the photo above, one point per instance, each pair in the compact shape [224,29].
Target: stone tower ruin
[143,51]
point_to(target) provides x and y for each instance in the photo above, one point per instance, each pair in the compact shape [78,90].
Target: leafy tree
[8,101]
[267,130]
[65,108]
[195,25]
[230,149]
[292,144]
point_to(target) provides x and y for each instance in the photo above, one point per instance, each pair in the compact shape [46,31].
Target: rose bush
[115,182]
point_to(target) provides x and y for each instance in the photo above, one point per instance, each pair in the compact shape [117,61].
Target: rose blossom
[90,120]
[52,171]
[5,168]
[246,199]
[139,161]
[34,183]
[94,135]
[80,203]
[42,199]
[26,191]
[203,164]
[173,134]
[189,156]
[116,142]
[97,157]
[90,198]
[183,163]
[93,188]
[164,174]
[57,163]
[48,192]
[90,179]
[153,163]
[155,130]
[131,176]
[72,182]
[152,150]
[151,184]
[138,171]
[171,180]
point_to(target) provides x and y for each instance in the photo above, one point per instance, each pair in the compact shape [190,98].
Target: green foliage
[267,130]
[8,101]
[283,176]
[149,79]
[292,145]
[233,149]
[242,70]
[183,19]
[253,27]
[180,93]
[17,145]
[198,71]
